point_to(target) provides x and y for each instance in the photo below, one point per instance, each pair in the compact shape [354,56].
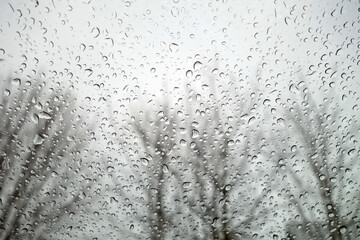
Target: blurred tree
[224,148]
[158,141]
[149,145]
[40,144]
[197,167]
[318,158]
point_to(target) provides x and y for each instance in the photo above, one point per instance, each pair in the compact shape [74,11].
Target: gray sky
[114,50]
[124,40]
[124,51]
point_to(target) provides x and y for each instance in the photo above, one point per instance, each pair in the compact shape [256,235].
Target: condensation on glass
[179,119]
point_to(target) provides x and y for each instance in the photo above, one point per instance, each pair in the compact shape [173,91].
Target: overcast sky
[114,52]
[116,49]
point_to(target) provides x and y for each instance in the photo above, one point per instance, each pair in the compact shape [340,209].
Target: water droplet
[197,65]
[145,161]
[82,47]
[204,87]
[195,124]
[186,184]
[230,143]
[38,140]
[287,20]
[195,133]
[95,31]
[314,156]
[89,72]
[175,11]
[251,120]
[35,118]
[351,152]
[281,122]
[182,130]
[16,82]
[165,168]
[173,47]
[189,73]
[113,200]
[44,115]
[5,164]
[183,142]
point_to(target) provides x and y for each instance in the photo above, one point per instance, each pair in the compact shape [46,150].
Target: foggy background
[179,119]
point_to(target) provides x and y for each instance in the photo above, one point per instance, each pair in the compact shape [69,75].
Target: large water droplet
[44,115]
[189,73]
[197,65]
[173,47]
[144,161]
[195,133]
[38,140]
[281,122]
[165,168]
[16,82]
[183,142]
[35,118]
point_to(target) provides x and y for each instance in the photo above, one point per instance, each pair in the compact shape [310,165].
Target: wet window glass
[177,119]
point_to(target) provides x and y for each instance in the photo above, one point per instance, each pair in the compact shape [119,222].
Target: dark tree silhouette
[196,167]
[158,142]
[319,160]
[223,150]
[40,143]
[149,146]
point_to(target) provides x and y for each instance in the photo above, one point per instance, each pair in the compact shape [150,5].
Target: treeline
[220,162]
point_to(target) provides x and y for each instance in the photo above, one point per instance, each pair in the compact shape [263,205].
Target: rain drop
[173,47]
[38,140]
[343,229]
[281,122]
[16,82]
[189,73]
[144,161]
[197,65]
[165,168]
[351,152]
[175,11]
[183,142]
[194,133]
[44,115]
[251,120]
[35,118]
